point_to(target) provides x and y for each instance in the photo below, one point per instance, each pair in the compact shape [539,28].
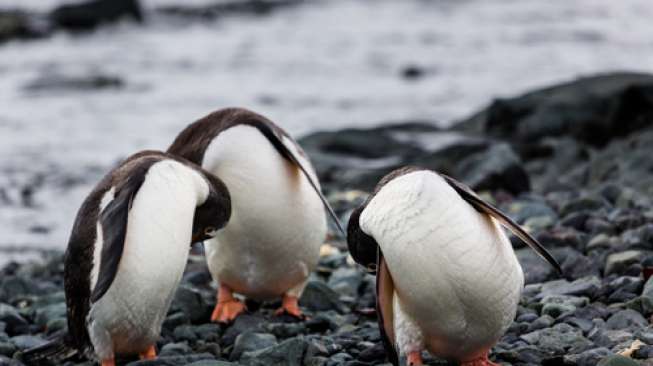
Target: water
[322,65]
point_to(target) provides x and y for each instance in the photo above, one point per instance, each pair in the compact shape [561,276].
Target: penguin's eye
[210,231]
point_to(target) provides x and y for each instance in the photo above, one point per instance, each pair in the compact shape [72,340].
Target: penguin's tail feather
[57,349]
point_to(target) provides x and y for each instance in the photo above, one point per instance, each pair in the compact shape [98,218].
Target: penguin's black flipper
[114,219]
[55,350]
[480,205]
[277,141]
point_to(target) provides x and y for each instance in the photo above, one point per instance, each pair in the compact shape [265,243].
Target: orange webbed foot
[150,354]
[481,361]
[228,307]
[108,362]
[290,306]
[414,359]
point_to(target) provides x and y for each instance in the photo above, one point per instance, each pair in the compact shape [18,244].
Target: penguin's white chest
[455,272]
[128,318]
[277,224]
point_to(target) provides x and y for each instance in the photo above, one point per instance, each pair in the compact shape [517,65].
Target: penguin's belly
[462,288]
[278,223]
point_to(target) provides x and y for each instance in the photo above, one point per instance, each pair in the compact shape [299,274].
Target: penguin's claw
[228,307]
[150,354]
[414,359]
[481,361]
[290,306]
[109,362]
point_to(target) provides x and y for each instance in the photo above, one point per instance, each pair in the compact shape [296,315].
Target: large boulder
[592,109]
[88,15]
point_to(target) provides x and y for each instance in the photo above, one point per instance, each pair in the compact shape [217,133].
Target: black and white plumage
[278,223]
[448,280]
[128,250]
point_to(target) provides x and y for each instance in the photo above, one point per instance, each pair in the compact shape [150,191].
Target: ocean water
[321,65]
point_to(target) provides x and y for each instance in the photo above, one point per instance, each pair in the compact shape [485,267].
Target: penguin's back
[454,270]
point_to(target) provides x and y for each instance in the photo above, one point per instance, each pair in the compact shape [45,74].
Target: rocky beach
[572,161]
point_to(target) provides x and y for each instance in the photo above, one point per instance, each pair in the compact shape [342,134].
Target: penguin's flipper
[57,349]
[114,220]
[385,289]
[287,148]
[480,205]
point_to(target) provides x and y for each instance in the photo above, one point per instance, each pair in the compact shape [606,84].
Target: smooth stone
[287,353]
[626,319]
[588,358]
[11,318]
[212,363]
[50,312]
[557,339]
[617,360]
[586,286]
[346,281]
[189,301]
[319,297]
[173,360]
[617,263]
[545,321]
[175,349]
[7,349]
[23,342]
[249,341]
[243,323]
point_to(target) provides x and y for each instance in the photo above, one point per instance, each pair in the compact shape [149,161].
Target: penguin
[272,242]
[127,253]
[448,280]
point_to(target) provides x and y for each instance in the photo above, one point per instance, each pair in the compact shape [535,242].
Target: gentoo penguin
[278,221]
[127,253]
[448,280]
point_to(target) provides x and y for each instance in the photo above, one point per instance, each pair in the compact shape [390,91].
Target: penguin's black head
[362,247]
[214,213]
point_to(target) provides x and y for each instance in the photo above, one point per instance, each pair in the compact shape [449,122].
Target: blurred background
[84,85]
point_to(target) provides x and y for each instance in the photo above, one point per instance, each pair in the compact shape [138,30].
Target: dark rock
[587,286]
[617,360]
[249,342]
[557,340]
[536,270]
[346,281]
[243,323]
[644,353]
[618,263]
[212,363]
[588,358]
[190,302]
[13,320]
[626,319]
[497,168]
[185,333]
[288,353]
[593,109]
[59,82]
[285,330]
[7,349]
[23,342]
[224,8]
[319,297]
[174,349]
[545,321]
[412,72]
[90,14]
[17,24]
[173,360]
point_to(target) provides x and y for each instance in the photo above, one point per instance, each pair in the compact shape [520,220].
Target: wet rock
[190,302]
[497,168]
[587,286]
[243,323]
[250,342]
[288,353]
[90,14]
[18,24]
[174,349]
[626,319]
[223,8]
[593,109]
[588,358]
[557,339]
[173,360]
[618,263]
[346,281]
[617,360]
[12,319]
[23,342]
[319,297]
[60,82]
